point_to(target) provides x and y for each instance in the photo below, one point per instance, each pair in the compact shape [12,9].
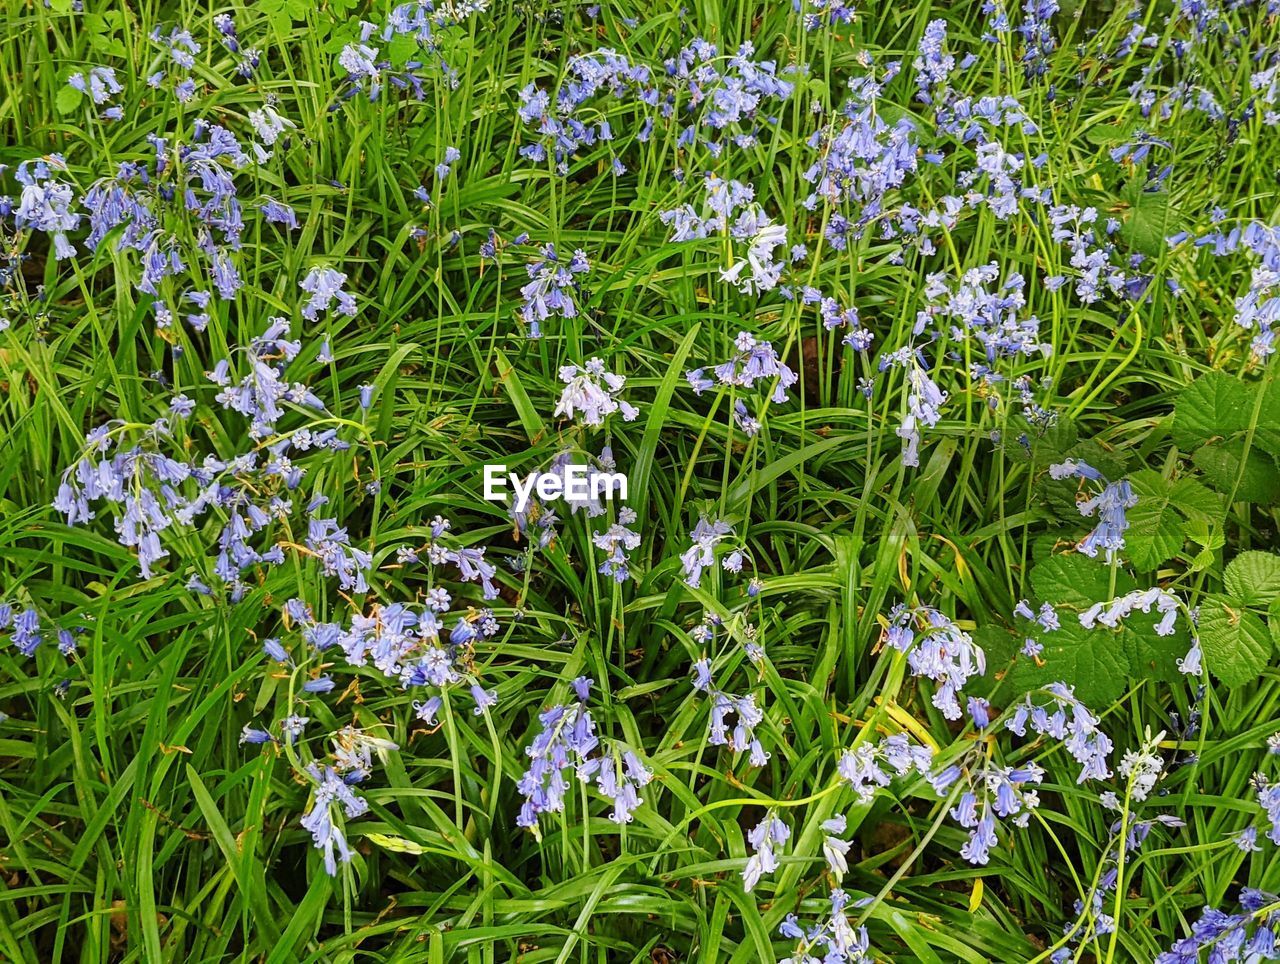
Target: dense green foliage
[136,824]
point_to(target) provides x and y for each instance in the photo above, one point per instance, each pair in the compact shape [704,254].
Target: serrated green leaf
[1148,223]
[108,45]
[1221,464]
[68,99]
[402,48]
[1163,518]
[1253,578]
[1215,405]
[1235,642]
[1094,661]
[1155,528]
[1150,655]
[1074,580]
[1267,431]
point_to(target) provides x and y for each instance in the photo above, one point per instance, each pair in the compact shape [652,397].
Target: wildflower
[99,83]
[924,401]
[872,766]
[768,834]
[268,124]
[324,285]
[618,541]
[943,652]
[1056,712]
[551,288]
[1110,506]
[618,778]
[706,535]
[1112,613]
[834,849]
[751,362]
[363,70]
[933,64]
[331,794]
[763,237]
[1142,767]
[592,390]
[46,204]
[251,735]
[835,936]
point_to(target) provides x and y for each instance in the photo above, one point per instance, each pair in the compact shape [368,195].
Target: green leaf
[1155,528]
[1267,431]
[1074,580]
[1161,521]
[1150,655]
[398,844]
[112,46]
[529,417]
[1221,464]
[403,47]
[68,99]
[1148,223]
[1094,661]
[1215,405]
[1253,578]
[1235,642]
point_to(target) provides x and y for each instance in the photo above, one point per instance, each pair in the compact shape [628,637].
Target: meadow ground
[935,343]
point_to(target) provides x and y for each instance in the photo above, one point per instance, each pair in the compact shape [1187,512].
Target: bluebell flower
[1109,506]
[869,767]
[618,541]
[835,938]
[278,213]
[45,204]
[936,649]
[360,61]
[253,736]
[332,794]
[99,83]
[551,288]
[1055,712]
[1246,936]
[324,285]
[592,391]
[1111,614]
[26,635]
[765,839]
[924,401]
[268,124]
[834,848]
[933,63]
[706,535]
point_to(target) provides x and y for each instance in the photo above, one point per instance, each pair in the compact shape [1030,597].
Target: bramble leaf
[1235,642]
[1221,464]
[1159,523]
[1091,660]
[1074,580]
[1253,578]
[68,99]
[1215,405]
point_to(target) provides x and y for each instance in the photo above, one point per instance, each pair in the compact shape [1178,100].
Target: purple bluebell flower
[936,649]
[869,767]
[765,839]
[590,392]
[332,793]
[324,285]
